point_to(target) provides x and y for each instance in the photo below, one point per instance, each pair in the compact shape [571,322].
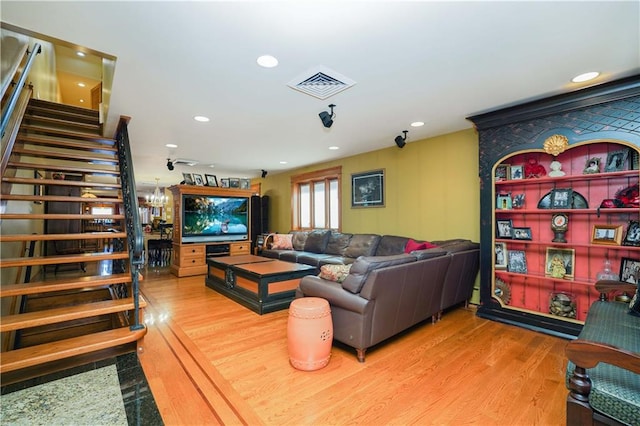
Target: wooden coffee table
[259,283]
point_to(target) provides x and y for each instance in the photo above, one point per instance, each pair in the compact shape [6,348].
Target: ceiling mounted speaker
[402,141]
[326,117]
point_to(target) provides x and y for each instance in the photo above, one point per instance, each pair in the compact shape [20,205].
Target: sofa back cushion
[317,241]
[298,240]
[456,245]
[362,245]
[363,265]
[338,243]
[390,245]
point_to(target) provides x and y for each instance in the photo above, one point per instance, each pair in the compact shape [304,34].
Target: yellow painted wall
[432,190]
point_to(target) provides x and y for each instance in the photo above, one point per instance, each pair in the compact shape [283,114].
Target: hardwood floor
[209,360]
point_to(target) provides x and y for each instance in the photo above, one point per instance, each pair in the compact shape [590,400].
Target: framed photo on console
[212,180]
[188,178]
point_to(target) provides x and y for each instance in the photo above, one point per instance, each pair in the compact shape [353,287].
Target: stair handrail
[6,113]
[132,218]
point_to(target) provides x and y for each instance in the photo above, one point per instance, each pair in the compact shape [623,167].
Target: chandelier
[157,199]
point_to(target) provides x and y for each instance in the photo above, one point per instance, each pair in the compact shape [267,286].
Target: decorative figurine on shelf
[592,166]
[556,169]
[557,267]
[534,170]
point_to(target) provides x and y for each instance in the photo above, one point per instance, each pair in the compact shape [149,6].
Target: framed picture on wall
[616,160]
[367,189]
[198,179]
[224,182]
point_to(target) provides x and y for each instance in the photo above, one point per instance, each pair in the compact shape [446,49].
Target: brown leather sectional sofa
[387,290]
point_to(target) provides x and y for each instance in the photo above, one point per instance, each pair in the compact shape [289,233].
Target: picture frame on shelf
[212,180]
[234,183]
[518,201]
[504,228]
[592,166]
[500,251]
[224,183]
[632,237]
[197,179]
[522,233]
[245,183]
[606,234]
[561,198]
[559,262]
[517,261]
[188,178]
[516,172]
[503,201]
[502,172]
[616,160]
[630,270]
[367,189]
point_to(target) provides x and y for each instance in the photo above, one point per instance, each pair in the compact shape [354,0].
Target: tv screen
[214,218]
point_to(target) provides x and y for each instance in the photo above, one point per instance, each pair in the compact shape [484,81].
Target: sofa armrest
[313,286]
[588,354]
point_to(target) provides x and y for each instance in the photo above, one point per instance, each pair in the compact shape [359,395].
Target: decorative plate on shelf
[577,201]
[502,291]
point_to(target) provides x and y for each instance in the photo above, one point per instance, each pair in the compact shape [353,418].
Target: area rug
[90,398]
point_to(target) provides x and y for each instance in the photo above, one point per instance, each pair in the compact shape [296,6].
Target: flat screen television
[208,218]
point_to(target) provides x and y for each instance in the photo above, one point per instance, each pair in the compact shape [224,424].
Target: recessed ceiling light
[171,145]
[212,165]
[267,61]
[283,162]
[201,118]
[417,124]
[81,84]
[81,54]
[585,77]
[81,100]
[333,148]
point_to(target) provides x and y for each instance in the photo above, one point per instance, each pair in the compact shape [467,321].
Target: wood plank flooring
[209,360]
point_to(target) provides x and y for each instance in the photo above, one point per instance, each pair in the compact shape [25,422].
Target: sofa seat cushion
[335,273]
[615,391]
[312,259]
[363,265]
[317,241]
[272,254]
[362,245]
[290,255]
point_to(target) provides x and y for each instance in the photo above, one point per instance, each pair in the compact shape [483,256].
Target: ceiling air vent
[183,161]
[321,82]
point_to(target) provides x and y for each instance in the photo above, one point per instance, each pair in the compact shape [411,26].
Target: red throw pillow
[414,245]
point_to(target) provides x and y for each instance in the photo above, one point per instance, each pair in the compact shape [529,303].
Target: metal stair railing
[132,220]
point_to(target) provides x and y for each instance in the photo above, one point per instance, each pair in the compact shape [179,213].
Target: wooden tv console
[191,258]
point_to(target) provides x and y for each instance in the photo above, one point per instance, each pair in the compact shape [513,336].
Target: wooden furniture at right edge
[592,122]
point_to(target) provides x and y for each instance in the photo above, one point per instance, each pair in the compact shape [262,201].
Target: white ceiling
[436,62]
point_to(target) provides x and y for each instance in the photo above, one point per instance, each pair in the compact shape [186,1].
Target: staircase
[64,196]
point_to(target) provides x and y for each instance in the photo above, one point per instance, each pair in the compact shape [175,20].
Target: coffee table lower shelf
[261,284]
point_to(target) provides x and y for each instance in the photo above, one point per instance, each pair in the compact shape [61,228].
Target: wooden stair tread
[34,355]
[51,216]
[67,313]
[65,258]
[61,182]
[62,132]
[67,156]
[49,105]
[39,287]
[93,117]
[30,116]
[61,168]
[61,237]
[61,198]
[66,143]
